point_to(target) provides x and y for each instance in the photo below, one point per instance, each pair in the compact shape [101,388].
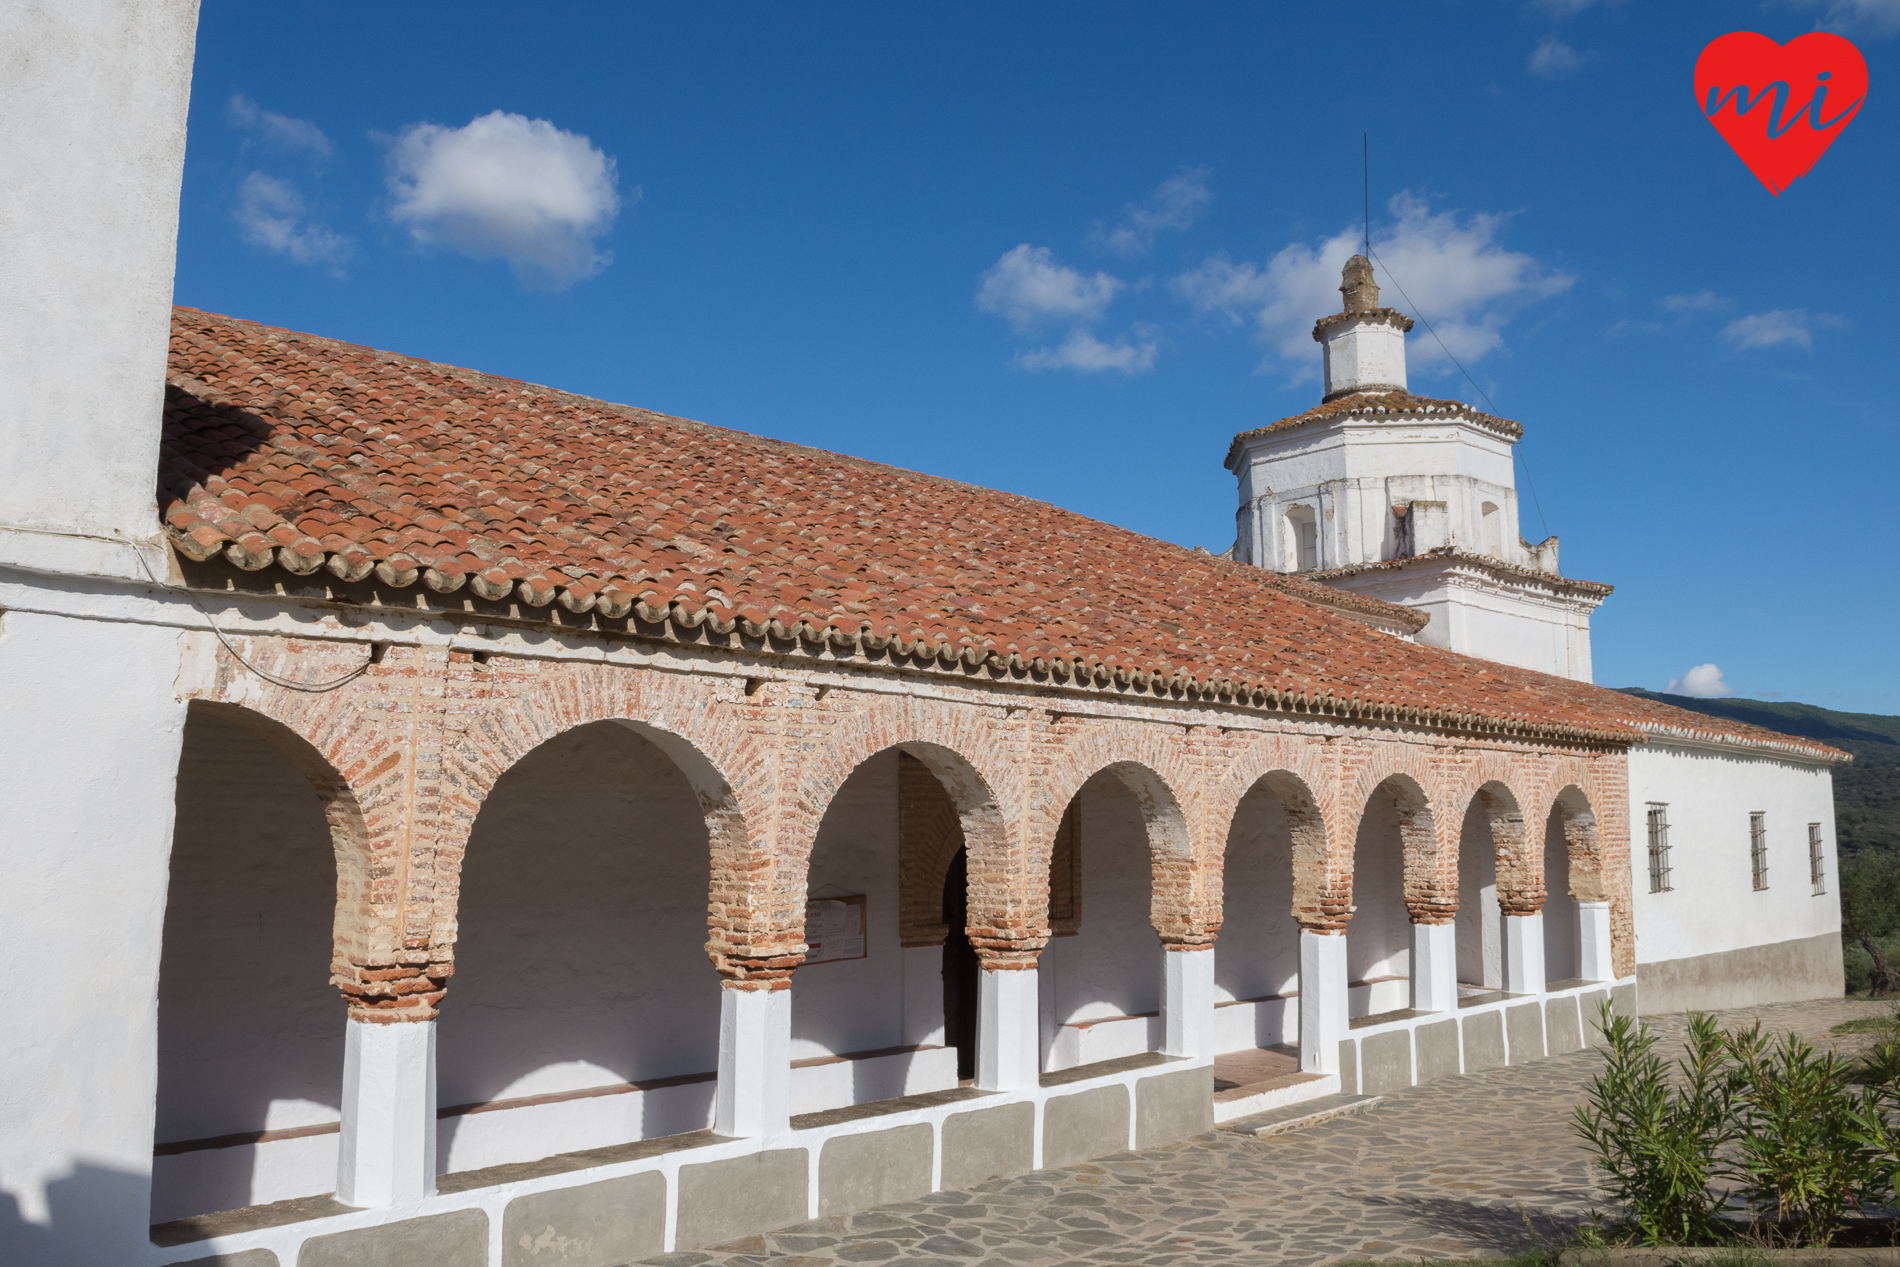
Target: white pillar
[923,996]
[1524,953]
[1322,1000]
[1593,950]
[386,1155]
[1187,1003]
[754,1091]
[1008,1040]
[1435,967]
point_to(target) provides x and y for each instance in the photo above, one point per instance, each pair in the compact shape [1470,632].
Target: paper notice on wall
[834,929]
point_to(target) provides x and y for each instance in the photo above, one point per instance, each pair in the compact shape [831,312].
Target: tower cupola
[1364,344]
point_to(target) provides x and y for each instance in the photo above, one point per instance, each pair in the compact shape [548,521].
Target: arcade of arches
[564,906]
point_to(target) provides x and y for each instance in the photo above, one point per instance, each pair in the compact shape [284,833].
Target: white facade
[1409,500]
[1713,938]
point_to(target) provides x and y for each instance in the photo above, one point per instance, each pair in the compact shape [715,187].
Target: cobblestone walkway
[1479,1165]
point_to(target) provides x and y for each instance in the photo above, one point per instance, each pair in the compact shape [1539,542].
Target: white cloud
[1866,17]
[1083,351]
[1174,205]
[1789,327]
[1700,301]
[1702,682]
[1554,59]
[1457,272]
[272,214]
[276,130]
[507,187]
[1027,287]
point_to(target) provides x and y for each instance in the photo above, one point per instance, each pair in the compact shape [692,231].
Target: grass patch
[1864,1025]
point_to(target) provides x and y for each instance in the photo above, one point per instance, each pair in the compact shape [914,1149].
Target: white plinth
[1187,1003]
[1593,952]
[1008,1031]
[1322,1000]
[754,1094]
[1524,953]
[1435,967]
[386,1152]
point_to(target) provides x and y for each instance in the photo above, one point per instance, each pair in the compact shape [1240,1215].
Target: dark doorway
[959,968]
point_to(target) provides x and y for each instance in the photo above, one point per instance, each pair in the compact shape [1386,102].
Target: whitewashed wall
[1715,941]
[250,1030]
[90,725]
[1112,968]
[1258,954]
[1379,938]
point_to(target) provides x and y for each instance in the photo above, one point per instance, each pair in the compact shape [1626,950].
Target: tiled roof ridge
[1370,403]
[1599,588]
[721,546]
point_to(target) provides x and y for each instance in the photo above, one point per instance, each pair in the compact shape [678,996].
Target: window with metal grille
[1817,862]
[1758,848]
[1659,848]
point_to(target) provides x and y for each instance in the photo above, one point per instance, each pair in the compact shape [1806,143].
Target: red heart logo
[1779,106]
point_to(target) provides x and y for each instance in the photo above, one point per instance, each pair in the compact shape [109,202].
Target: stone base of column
[1435,967]
[754,1092]
[1322,1000]
[923,996]
[1524,953]
[1187,1003]
[1008,1030]
[1593,952]
[386,1149]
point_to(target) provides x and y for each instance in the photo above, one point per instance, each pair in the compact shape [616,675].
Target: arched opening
[1571,878]
[1100,980]
[250,1030]
[1493,530]
[1257,969]
[584,1010]
[1302,539]
[1396,822]
[1480,934]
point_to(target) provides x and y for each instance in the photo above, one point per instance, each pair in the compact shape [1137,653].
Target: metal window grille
[1817,862]
[1758,848]
[1659,848]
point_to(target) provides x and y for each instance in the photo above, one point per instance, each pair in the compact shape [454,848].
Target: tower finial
[1356,284]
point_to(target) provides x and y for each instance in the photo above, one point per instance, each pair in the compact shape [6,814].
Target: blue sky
[1069,250]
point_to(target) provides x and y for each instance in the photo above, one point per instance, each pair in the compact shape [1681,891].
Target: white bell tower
[1407,499]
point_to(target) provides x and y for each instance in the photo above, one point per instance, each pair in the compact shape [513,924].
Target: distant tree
[1870,910]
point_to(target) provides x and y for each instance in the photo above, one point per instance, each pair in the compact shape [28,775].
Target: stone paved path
[1479,1165]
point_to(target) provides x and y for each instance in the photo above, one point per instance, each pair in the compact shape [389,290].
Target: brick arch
[966,750]
[1518,849]
[1419,841]
[383,961]
[1500,784]
[1297,774]
[1155,765]
[701,727]
[1582,844]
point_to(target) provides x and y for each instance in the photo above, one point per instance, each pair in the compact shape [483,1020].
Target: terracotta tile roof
[288,451]
[1379,405]
[1596,589]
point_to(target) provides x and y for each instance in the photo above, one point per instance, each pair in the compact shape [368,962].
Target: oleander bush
[1746,1136]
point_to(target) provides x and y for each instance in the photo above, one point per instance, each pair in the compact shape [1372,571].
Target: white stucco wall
[1112,968]
[580,956]
[1379,938]
[1714,906]
[1512,620]
[1258,954]
[94,94]
[250,1030]
[90,725]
